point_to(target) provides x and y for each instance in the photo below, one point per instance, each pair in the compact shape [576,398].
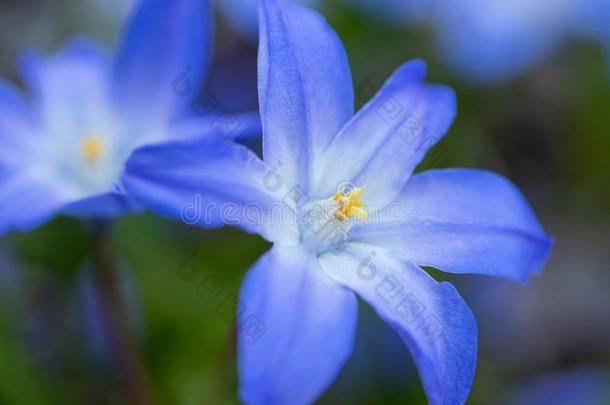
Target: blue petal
[17,133]
[305,88]
[431,318]
[13,104]
[26,202]
[296,329]
[103,206]
[163,56]
[390,135]
[201,181]
[462,221]
[70,88]
[77,54]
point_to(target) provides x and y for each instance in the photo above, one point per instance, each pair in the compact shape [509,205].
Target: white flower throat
[325,224]
[91,165]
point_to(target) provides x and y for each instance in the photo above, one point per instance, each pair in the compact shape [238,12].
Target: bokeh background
[546,127]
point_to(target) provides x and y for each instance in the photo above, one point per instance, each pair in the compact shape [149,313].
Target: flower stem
[115,316]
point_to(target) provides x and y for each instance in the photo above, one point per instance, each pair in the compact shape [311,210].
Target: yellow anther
[92,148]
[350,205]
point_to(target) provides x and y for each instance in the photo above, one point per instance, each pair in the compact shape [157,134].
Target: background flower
[64,151]
[486,42]
[572,386]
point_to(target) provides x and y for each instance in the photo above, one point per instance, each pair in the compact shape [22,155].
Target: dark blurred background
[547,129]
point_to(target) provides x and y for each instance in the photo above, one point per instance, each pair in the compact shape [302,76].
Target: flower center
[92,148]
[350,205]
[325,224]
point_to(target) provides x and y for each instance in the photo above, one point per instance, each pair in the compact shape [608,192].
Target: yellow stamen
[92,148]
[350,205]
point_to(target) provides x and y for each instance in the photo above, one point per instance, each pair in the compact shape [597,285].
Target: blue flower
[492,41]
[63,150]
[337,197]
[578,385]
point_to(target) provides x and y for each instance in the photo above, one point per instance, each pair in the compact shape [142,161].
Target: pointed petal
[306,324]
[163,56]
[381,146]
[16,127]
[305,88]
[200,181]
[431,318]
[462,221]
[71,89]
[27,202]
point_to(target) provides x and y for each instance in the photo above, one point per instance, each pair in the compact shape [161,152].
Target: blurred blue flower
[577,386]
[63,151]
[491,41]
[336,195]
